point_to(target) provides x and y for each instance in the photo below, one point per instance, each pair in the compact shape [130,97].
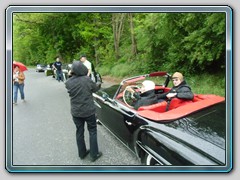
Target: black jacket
[146,98]
[183,92]
[80,88]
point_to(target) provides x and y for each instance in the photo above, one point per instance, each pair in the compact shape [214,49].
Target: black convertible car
[189,133]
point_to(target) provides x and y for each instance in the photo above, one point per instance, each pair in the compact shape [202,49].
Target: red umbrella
[21,66]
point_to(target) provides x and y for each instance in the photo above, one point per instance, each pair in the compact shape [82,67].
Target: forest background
[127,44]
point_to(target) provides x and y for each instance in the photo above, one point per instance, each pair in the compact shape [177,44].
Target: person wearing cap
[179,90]
[80,88]
[146,96]
[84,60]
[90,67]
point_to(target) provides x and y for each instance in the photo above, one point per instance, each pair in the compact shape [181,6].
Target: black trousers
[92,129]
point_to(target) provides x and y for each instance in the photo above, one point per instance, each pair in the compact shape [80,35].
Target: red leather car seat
[159,107]
[176,102]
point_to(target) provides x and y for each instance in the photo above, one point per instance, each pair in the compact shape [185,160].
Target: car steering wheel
[128,96]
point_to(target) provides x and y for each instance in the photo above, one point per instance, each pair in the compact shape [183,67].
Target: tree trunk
[117,24]
[134,44]
[95,44]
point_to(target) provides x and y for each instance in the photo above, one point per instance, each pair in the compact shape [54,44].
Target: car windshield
[158,80]
[161,81]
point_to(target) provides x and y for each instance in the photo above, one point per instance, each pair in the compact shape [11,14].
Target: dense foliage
[124,44]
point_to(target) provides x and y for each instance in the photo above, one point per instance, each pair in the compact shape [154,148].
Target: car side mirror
[105,96]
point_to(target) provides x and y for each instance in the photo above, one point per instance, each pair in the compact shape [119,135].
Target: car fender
[168,150]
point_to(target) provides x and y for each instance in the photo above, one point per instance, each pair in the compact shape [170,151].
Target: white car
[40,68]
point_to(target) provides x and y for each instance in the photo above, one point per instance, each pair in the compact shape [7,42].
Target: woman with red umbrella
[18,82]
[20,65]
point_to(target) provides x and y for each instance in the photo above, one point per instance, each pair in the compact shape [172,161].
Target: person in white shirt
[84,60]
[88,64]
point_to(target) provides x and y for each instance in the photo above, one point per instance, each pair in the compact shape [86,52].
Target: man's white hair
[148,85]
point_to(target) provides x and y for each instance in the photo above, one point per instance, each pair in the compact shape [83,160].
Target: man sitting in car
[146,96]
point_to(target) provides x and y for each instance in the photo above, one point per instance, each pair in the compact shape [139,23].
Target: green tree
[189,42]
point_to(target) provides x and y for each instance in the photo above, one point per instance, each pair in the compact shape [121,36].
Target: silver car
[40,68]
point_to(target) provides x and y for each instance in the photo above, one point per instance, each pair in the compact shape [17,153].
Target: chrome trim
[161,161]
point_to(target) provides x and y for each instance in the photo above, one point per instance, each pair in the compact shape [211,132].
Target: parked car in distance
[40,67]
[187,133]
[49,70]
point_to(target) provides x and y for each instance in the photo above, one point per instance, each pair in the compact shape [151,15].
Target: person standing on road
[80,88]
[89,66]
[58,66]
[87,63]
[18,83]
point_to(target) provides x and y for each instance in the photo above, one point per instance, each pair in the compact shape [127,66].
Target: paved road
[44,133]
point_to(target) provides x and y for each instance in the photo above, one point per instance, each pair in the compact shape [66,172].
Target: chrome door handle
[128,123]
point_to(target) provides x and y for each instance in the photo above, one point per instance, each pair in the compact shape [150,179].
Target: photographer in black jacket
[80,88]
